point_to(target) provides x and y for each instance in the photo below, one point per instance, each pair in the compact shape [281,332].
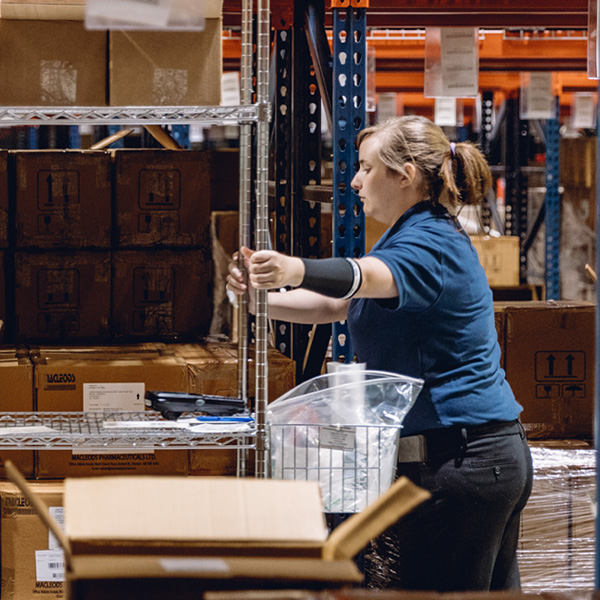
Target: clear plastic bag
[342,430]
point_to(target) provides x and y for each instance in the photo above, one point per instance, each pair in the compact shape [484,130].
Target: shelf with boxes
[144,78]
[79,410]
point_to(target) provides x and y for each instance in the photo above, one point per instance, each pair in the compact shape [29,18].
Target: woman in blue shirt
[419,304]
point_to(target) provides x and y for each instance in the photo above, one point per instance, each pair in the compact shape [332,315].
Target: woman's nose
[354,183]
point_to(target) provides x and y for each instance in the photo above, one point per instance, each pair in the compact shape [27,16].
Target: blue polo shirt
[441,326]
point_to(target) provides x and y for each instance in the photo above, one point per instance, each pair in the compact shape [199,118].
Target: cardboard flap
[352,535]
[40,508]
[111,139]
[177,510]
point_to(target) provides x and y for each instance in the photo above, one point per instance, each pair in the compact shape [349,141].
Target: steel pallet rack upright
[349,114]
[105,430]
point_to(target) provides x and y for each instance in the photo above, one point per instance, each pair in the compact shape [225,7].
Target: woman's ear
[409,176]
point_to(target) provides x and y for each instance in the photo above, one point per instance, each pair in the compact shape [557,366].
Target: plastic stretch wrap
[341,429]
[556,541]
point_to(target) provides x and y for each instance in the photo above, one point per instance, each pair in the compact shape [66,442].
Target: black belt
[452,439]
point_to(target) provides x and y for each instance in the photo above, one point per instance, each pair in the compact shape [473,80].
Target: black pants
[465,537]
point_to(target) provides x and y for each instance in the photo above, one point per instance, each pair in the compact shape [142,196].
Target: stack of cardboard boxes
[87,269]
[548,352]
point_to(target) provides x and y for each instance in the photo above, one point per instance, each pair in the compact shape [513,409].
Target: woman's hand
[269,270]
[236,280]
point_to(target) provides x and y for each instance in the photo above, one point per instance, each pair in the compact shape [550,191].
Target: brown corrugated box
[213,369]
[166,68]
[105,381]
[16,382]
[164,294]
[58,63]
[62,198]
[232,533]
[549,362]
[499,257]
[162,197]
[32,563]
[62,295]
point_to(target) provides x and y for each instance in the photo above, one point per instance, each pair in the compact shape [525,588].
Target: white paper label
[153,13]
[337,438]
[58,514]
[230,89]
[459,57]
[536,98]
[445,112]
[197,565]
[583,114]
[49,565]
[113,397]
[387,107]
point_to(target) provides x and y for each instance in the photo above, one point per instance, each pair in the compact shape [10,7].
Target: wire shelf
[118,431]
[129,115]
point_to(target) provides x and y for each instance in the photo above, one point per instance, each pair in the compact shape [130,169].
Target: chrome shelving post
[262,227]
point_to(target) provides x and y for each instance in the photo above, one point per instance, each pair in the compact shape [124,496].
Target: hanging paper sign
[451,62]
[387,106]
[371,84]
[536,100]
[445,112]
[583,111]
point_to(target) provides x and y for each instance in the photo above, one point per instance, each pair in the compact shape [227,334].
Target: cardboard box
[32,561]
[225,230]
[4,201]
[213,369]
[62,295]
[51,63]
[246,540]
[549,362]
[500,258]
[105,381]
[62,199]
[16,382]
[164,68]
[225,179]
[162,294]
[162,197]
